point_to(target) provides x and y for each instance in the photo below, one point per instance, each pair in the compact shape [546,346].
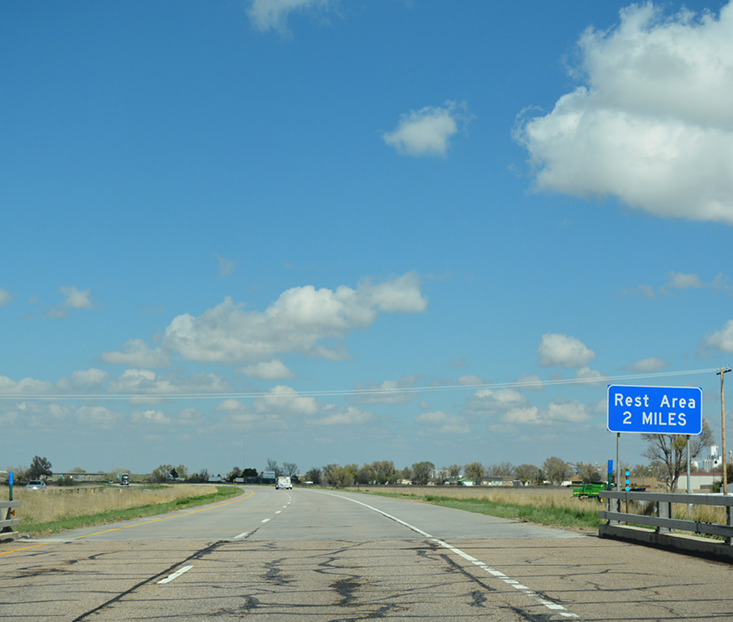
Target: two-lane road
[320,555]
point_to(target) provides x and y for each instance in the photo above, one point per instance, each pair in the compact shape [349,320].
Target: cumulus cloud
[296,322]
[268,370]
[721,340]
[468,380]
[682,281]
[649,365]
[147,382]
[590,376]
[273,14]
[557,350]
[568,412]
[26,386]
[339,415]
[97,416]
[137,353]
[487,402]
[528,415]
[387,392]
[427,132]
[5,297]
[652,123]
[284,400]
[151,416]
[443,423]
[75,298]
[87,379]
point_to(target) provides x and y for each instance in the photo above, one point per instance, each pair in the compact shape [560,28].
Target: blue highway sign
[655,410]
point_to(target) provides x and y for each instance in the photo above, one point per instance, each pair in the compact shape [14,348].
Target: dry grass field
[545,497]
[56,504]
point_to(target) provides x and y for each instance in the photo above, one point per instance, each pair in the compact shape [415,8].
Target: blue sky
[232,229]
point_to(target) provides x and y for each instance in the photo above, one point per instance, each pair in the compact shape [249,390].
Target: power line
[527,384]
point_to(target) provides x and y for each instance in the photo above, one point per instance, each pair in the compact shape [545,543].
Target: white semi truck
[284,482]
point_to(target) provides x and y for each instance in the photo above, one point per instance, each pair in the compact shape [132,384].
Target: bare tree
[422,472]
[272,466]
[527,473]
[290,469]
[669,449]
[474,470]
[556,469]
[500,470]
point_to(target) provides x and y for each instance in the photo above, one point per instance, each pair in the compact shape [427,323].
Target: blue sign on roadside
[655,410]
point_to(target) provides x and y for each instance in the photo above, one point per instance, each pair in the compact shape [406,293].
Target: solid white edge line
[496,573]
[176,574]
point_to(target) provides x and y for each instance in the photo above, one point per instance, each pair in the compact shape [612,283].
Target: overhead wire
[364,391]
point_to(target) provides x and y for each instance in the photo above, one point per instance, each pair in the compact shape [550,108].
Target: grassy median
[54,510]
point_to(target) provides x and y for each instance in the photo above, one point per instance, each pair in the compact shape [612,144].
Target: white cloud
[562,351]
[147,382]
[426,132]
[97,416]
[26,386]
[722,339]
[487,402]
[387,392]
[443,423]
[295,322]
[528,415]
[649,365]
[5,297]
[469,380]
[590,376]
[282,400]
[151,416]
[268,370]
[338,415]
[89,378]
[680,280]
[531,382]
[137,353]
[568,412]
[273,14]
[76,299]
[226,266]
[653,124]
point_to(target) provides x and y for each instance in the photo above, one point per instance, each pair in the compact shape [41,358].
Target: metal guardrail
[664,523]
[6,526]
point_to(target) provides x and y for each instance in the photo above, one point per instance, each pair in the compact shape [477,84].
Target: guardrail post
[664,510]
[613,506]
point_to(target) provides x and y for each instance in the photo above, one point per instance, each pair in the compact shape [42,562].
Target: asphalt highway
[332,556]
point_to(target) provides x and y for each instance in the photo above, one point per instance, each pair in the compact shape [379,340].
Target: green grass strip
[113,516]
[549,516]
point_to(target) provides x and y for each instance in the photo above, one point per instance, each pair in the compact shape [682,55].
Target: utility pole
[721,372]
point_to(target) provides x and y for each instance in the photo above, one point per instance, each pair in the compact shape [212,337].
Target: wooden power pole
[721,372]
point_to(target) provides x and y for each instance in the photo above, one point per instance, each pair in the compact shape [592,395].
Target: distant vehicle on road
[35,484]
[124,479]
[284,482]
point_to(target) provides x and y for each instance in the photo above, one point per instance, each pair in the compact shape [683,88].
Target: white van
[284,482]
